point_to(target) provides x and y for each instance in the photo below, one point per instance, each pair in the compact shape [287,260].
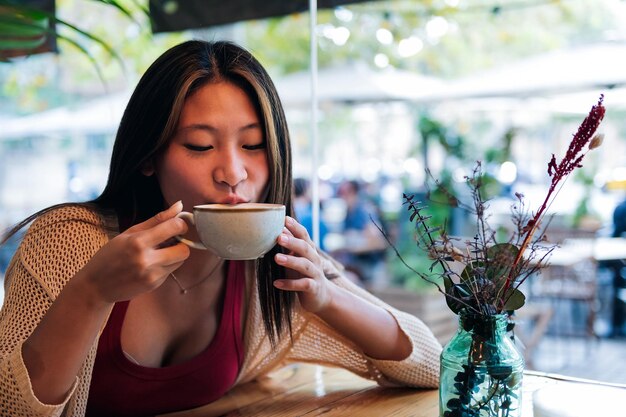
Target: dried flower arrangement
[481,371]
[493,271]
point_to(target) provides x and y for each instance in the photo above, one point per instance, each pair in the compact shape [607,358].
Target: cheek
[177,180]
[264,172]
[264,181]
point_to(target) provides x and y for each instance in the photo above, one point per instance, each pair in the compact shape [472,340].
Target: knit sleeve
[314,341]
[56,246]
[320,343]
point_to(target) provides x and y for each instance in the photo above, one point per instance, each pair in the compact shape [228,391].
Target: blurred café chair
[570,277]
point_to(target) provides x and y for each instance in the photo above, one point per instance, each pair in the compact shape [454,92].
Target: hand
[307,267]
[137,260]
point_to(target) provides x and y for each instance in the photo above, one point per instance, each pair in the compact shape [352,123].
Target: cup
[237,232]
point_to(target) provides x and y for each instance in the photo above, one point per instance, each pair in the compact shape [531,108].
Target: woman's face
[218,154]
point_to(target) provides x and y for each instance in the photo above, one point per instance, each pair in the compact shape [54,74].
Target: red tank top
[120,387]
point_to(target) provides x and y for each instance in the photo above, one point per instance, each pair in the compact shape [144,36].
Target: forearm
[370,327]
[59,345]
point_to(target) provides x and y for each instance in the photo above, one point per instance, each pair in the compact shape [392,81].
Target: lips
[232,199]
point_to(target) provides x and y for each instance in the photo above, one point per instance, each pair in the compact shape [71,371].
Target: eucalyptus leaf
[500,259]
[453,304]
[515,300]
[471,271]
[504,250]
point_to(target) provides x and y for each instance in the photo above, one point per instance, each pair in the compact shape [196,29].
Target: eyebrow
[212,129]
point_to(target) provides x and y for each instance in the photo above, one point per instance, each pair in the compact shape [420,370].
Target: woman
[106,314]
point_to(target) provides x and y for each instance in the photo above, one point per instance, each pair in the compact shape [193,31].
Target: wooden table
[310,390]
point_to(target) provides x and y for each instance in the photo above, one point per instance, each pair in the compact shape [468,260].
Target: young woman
[106,314]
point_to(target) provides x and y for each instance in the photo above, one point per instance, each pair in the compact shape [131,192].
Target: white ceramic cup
[237,232]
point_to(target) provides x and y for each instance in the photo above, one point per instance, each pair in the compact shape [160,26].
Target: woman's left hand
[369,326]
[306,268]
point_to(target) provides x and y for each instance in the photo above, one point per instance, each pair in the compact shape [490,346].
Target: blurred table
[304,389]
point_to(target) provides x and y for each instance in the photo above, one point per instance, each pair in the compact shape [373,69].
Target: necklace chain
[184,290]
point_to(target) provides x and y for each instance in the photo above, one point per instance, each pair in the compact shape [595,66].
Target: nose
[230,169]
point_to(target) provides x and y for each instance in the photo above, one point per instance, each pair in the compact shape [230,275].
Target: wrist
[335,298]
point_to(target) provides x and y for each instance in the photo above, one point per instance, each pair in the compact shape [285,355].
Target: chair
[572,278]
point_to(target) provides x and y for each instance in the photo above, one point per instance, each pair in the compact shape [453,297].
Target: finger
[160,217]
[298,246]
[157,235]
[301,285]
[297,229]
[299,264]
[170,255]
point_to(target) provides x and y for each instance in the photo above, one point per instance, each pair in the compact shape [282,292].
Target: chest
[160,330]
[151,337]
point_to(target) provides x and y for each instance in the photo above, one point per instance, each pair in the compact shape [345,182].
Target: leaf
[503,251]
[470,271]
[94,38]
[122,9]
[453,304]
[24,22]
[11,27]
[20,30]
[7,44]
[87,54]
[515,300]
[500,259]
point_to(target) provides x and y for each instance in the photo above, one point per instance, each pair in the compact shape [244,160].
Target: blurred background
[403,87]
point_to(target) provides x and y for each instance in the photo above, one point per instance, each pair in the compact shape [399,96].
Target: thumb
[158,218]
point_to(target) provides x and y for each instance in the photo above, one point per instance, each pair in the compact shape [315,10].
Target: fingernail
[279,284]
[283,239]
[290,220]
[178,205]
[280,258]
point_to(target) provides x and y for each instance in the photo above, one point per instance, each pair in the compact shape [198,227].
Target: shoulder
[61,241]
[72,224]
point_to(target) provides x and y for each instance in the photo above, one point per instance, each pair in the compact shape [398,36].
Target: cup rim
[239,207]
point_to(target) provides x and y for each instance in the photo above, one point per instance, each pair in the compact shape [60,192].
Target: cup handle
[185,215]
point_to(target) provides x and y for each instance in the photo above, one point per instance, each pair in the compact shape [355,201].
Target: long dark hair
[149,122]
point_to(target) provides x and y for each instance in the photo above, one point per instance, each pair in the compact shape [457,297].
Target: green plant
[25,28]
[491,270]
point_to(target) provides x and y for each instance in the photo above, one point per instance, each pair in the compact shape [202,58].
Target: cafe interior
[395,131]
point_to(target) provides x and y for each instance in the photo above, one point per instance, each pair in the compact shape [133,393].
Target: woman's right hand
[137,261]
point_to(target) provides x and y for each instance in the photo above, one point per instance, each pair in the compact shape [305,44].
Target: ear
[147,168]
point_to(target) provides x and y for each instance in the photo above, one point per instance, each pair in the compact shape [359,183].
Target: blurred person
[106,314]
[302,206]
[364,250]
[619,220]
[618,269]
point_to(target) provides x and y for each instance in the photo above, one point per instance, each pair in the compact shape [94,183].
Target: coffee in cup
[237,232]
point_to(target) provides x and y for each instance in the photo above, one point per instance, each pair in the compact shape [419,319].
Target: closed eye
[197,148]
[254,147]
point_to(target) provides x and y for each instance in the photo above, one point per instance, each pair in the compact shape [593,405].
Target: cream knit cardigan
[61,242]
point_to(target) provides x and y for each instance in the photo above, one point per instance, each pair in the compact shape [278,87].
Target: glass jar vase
[481,370]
